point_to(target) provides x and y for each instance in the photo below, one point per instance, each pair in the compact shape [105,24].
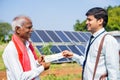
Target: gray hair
[18,21]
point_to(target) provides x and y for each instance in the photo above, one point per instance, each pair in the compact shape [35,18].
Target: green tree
[114,18]
[5,28]
[80,26]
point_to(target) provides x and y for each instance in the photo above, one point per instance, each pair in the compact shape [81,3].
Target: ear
[100,21]
[17,29]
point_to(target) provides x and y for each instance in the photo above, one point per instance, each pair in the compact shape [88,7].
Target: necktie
[86,55]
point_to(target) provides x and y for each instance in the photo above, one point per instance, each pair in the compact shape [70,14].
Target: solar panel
[61,40]
[55,49]
[80,38]
[88,34]
[39,49]
[62,36]
[84,36]
[72,38]
[74,49]
[54,37]
[82,48]
[35,38]
[63,47]
[43,36]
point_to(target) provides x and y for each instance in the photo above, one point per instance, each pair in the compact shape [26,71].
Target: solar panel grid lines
[82,49]
[55,49]
[67,36]
[44,36]
[76,35]
[74,49]
[48,36]
[71,37]
[35,37]
[62,36]
[39,49]
[80,38]
[53,36]
[81,53]
[88,34]
[58,36]
[83,35]
[61,40]
[38,35]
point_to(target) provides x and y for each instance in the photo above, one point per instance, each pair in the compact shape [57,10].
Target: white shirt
[109,58]
[13,67]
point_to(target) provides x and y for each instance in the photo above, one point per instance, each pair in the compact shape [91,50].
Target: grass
[66,77]
[64,71]
[2,46]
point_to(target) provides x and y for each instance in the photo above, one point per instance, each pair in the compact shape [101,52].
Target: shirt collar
[98,32]
[27,44]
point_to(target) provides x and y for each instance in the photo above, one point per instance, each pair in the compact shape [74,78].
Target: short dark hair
[99,13]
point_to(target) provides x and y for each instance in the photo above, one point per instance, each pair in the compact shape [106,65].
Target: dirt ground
[64,70]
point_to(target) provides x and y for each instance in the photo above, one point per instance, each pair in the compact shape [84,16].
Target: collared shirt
[13,67]
[109,58]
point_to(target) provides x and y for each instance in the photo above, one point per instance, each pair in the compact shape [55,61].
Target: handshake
[45,60]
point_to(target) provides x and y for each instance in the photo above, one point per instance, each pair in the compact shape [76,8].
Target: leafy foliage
[80,26]
[113,20]
[5,28]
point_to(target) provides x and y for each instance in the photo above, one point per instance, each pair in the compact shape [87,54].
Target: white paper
[53,57]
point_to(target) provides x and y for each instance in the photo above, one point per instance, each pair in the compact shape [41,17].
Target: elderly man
[19,56]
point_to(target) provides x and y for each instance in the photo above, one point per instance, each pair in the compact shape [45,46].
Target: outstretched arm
[75,57]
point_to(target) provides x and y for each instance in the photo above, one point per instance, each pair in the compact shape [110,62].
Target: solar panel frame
[80,38]
[84,35]
[62,36]
[71,37]
[44,36]
[75,50]
[54,37]
[35,37]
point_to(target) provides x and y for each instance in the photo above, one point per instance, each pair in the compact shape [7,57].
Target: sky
[51,14]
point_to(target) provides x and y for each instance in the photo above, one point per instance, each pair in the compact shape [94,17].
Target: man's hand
[41,59]
[46,65]
[67,54]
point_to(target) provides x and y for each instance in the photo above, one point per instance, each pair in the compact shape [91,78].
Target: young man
[108,65]
[19,56]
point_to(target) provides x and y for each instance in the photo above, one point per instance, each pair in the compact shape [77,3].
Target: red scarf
[22,53]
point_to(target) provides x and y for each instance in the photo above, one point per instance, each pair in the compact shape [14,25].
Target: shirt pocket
[94,54]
